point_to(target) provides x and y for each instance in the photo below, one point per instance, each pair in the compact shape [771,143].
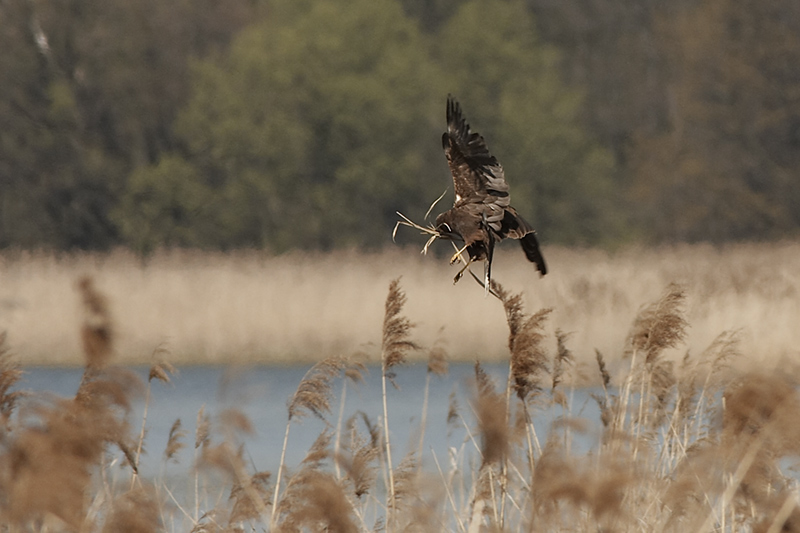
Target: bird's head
[444,225]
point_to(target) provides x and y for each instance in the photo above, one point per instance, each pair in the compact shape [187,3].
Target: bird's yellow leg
[461,272]
[457,255]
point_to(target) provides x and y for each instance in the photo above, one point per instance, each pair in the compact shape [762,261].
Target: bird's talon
[457,255]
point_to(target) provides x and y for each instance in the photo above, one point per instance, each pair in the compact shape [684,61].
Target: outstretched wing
[477,175]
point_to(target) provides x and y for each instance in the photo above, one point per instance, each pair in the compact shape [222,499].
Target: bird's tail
[530,245]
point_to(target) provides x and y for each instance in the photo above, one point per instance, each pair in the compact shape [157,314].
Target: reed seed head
[396,330]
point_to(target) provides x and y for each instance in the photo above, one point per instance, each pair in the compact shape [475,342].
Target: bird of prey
[481,215]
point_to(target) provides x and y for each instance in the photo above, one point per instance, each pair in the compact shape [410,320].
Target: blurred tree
[53,190]
[88,92]
[431,14]
[317,126]
[614,54]
[561,179]
[168,204]
[727,168]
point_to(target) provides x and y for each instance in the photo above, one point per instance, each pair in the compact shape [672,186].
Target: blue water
[261,393]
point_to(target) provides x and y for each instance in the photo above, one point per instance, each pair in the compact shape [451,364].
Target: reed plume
[97,332]
[660,325]
[319,504]
[395,345]
[603,369]
[10,374]
[175,441]
[490,410]
[525,336]
[417,501]
[396,341]
[313,498]
[657,327]
[358,456]
[136,511]
[248,498]
[564,487]
[202,429]
[313,396]
[47,467]
[249,494]
[160,371]
[405,481]
[562,361]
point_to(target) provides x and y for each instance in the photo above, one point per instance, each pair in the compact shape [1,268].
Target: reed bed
[249,307]
[688,444]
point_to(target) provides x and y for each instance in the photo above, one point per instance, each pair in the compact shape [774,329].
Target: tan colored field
[252,307]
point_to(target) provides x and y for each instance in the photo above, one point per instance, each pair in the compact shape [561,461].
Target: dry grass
[689,439]
[250,307]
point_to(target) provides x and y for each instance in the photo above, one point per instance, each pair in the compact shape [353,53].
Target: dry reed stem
[424,230]
[438,365]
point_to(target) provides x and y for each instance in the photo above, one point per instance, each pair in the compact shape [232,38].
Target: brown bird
[481,215]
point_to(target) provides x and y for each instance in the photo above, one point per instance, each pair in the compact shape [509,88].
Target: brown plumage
[481,215]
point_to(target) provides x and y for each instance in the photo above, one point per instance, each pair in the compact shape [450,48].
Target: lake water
[262,392]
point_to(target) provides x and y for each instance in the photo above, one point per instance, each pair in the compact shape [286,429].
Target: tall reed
[395,345]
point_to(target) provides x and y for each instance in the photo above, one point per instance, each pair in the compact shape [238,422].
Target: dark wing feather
[476,173]
[530,245]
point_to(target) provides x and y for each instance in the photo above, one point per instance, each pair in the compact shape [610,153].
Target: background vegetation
[256,308]
[279,124]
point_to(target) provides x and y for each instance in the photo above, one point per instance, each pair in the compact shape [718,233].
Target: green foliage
[318,125]
[88,93]
[167,205]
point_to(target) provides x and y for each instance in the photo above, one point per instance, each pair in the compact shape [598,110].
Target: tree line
[280,124]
